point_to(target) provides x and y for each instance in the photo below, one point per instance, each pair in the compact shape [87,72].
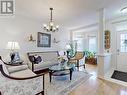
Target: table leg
[78,64]
[84,66]
[71,74]
[50,75]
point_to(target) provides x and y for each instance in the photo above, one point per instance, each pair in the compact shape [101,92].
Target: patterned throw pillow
[35,59]
[31,58]
[38,59]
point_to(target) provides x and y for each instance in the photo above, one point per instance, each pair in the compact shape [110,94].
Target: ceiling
[69,13]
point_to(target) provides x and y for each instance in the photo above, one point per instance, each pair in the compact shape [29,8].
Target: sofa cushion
[43,65]
[4,67]
[13,69]
[23,73]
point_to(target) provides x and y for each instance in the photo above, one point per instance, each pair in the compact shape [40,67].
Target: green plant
[89,54]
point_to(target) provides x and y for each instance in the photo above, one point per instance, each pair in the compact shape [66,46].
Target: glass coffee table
[58,70]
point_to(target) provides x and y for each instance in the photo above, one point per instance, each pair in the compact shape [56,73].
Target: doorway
[122,51]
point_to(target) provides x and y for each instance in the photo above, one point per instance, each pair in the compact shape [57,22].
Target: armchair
[12,85]
[76,59]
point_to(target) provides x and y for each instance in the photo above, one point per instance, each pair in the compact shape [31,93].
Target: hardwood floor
[95,86]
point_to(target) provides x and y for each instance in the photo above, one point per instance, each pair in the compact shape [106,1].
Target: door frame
[117,46]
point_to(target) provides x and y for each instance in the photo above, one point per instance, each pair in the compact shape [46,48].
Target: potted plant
[90,57]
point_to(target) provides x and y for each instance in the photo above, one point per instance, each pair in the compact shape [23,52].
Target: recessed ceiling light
[124,10]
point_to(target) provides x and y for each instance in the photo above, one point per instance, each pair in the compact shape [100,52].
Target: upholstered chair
[14,85]
[78,59]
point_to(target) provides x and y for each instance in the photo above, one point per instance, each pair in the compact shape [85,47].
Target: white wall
[18,29]
[64,37]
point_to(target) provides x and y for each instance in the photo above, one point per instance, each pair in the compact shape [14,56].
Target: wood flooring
[96,86]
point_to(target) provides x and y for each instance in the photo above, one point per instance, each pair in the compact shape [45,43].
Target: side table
[14,63]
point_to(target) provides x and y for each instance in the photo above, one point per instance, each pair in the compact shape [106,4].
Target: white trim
[115,22]
[122,30]
[84,27]
[104,54]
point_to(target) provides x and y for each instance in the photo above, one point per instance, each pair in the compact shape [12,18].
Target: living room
[91,35]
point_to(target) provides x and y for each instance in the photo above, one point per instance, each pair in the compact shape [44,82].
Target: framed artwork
[44,40]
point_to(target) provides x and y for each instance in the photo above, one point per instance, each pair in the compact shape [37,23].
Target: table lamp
[13,46]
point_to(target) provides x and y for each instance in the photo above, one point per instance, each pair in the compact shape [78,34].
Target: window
[92,44]
[123,43]
[81,44]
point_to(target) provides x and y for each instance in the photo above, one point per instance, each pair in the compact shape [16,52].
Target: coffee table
[58,70]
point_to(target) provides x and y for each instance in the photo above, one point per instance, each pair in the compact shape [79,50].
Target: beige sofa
[20,80]
[49,58]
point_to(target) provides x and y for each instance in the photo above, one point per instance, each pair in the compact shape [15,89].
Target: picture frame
[44,40]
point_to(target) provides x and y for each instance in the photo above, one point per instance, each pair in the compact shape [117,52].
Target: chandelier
[50,26]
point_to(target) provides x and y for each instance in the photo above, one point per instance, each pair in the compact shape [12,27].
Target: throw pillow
[38,59]
[32,58]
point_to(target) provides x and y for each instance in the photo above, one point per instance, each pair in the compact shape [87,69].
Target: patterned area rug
[61,85]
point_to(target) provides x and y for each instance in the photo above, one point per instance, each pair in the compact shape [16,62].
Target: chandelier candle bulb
[57,26]
[54,28]
[44,25]
[51,23]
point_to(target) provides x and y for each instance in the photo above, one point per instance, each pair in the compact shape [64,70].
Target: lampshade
[68,47]
[13,46]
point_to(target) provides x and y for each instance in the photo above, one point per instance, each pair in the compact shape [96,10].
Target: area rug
[119,75]
[61,85]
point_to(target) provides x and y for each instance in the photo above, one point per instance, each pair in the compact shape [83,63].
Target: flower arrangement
[61,59]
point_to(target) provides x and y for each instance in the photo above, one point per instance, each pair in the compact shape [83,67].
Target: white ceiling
[69,13]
